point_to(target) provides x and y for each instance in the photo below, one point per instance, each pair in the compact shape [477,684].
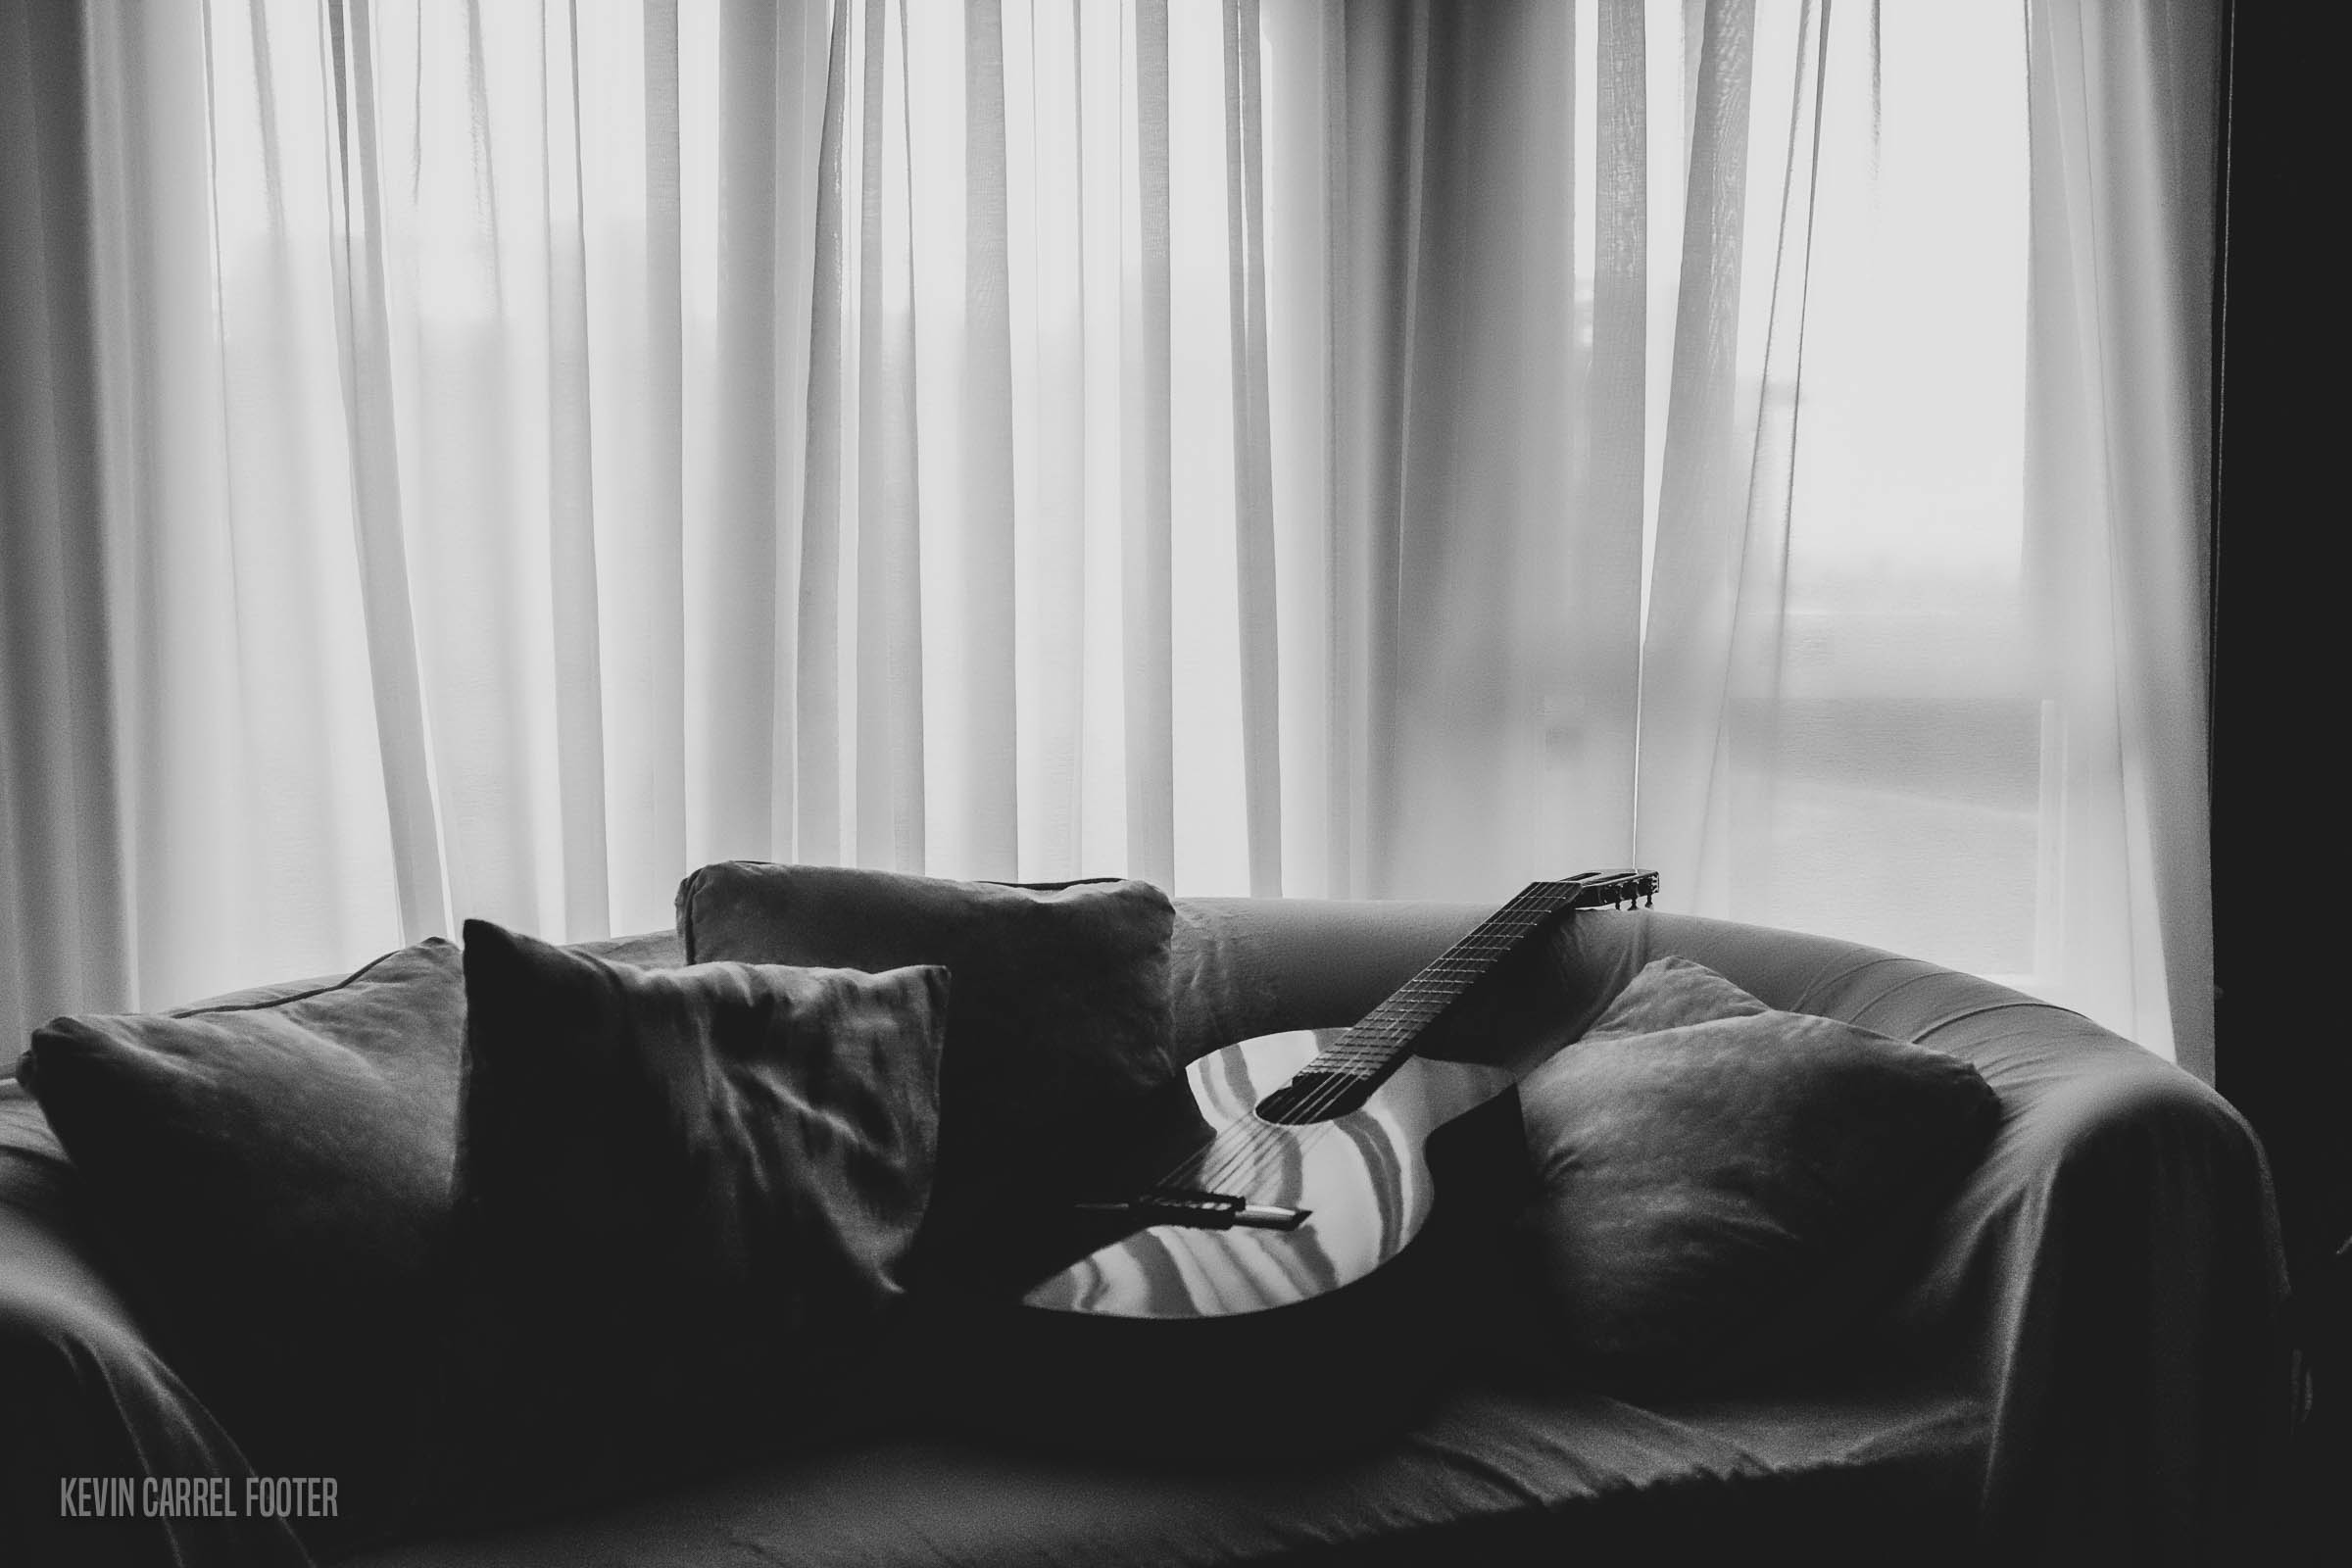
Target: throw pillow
[1718,1179]
[682,1199]
[1058,1018]
[279,1177]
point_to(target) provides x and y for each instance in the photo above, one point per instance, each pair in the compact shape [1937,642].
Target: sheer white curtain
[1917,669]
[488,458]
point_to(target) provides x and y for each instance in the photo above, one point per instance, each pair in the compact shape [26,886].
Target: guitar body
[1362,1182]
[1177,1339]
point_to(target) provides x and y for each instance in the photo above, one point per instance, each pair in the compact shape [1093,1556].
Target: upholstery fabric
[682,1197]
[1715,1178]
[279,1173]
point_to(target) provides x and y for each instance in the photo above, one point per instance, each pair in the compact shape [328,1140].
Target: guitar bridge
[1209,1211]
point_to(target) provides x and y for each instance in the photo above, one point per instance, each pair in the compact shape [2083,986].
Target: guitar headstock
[1618,889]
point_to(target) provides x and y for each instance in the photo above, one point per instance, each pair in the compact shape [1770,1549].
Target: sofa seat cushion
[1500,1472]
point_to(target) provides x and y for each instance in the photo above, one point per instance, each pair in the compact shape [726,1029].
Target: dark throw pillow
[277,1176]
[1058,1015]
[1717,1180]
[682,1199]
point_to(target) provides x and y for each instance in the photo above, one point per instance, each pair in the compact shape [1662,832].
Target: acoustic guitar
[1271,1246]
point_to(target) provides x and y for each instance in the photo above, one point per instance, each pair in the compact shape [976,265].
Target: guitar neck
[1386,1035]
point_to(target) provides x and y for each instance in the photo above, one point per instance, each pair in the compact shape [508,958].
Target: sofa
[2076,1354]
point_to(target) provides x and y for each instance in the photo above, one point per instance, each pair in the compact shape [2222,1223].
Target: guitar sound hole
[1313,1096]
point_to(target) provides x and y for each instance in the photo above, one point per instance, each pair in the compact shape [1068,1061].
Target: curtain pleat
[803,69]
[2117,445]
[817,716]
[184,632]
[1047,374]
[1685,659]
[649,759]
[1610,404]
[1486,557]
[1146,543]
[274,770]
[1755,664]
[1294,99]
[732,525]
[1378,131]
[986,706]
[576,623]
[1254,558]
[65,921]
[464,373]
[363,357]
[1430,583]
[299,684]
[888,801]
[1101,58]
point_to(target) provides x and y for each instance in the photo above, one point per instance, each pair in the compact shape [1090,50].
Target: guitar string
[1495,937]
[1376,1038]
[1375,1042]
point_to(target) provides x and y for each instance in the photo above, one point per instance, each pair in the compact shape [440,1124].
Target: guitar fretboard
[1386,1034]
[1343,1075]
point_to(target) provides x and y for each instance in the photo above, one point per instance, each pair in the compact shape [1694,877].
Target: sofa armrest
[2115,1269]
[84,1394]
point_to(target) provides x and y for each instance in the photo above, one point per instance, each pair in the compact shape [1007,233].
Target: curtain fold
[2119,427]
[1710,444]
[984,715]
[362,359]
[1488,539]
[66,928]
[1254,562]
[488,458]
[1146,454]
[815,775]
